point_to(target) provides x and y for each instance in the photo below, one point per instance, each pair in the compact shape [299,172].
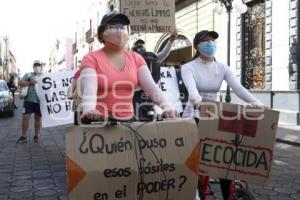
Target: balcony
[89,37]
[74,48]
[180,4]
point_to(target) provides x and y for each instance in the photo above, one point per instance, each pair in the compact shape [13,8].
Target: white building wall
[95,11]
[69,55]
[280,43]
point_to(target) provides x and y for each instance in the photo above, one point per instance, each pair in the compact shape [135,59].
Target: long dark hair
[100,31]
[197,54]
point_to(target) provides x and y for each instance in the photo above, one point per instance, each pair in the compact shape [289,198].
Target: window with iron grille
[254,43]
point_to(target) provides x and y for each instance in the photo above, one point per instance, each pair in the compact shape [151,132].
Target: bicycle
[238,189]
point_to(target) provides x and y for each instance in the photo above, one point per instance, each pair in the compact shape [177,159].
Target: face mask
[37,70]
[117,37]
[140,49]
[208,48]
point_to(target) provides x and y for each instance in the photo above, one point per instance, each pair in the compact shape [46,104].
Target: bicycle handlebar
[112,121]
[108,121]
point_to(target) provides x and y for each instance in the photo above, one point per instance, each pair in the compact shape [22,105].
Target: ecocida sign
[237,142]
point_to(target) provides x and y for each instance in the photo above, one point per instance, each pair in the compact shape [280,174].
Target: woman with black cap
[203,77]
[110,74]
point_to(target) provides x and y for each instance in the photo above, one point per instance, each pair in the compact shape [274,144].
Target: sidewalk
[288,134]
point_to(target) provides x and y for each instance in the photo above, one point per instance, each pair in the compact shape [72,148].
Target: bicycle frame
[204,187]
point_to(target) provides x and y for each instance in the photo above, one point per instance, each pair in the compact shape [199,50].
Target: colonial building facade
[8,61]
[61,56]
[267,52]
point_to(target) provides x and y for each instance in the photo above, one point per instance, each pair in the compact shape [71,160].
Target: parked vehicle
[6,100]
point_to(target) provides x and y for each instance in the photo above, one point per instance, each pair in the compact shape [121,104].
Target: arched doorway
[182,51]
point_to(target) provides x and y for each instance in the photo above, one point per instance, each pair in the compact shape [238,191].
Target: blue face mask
[207,49]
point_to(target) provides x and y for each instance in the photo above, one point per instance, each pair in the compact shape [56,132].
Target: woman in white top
[203,77]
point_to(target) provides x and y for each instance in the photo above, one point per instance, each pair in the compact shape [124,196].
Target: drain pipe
[298,46]
[298,59]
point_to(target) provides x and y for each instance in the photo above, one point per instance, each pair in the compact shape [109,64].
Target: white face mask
[37,70]
[117,37]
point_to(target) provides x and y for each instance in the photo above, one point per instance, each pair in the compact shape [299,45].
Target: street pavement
[30,170]
[289,134]
[37,171]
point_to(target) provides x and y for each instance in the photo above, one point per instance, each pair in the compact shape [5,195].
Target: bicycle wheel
[242,194]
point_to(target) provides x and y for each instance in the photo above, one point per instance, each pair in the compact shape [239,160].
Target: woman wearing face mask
[110,74]
[203,77]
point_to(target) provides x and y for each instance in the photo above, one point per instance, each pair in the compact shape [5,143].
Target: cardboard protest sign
[236,142]
[149,16]
[155,161]
[169,87]
[55,107]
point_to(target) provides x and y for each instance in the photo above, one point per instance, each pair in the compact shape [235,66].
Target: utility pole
[6,57]
[228,5]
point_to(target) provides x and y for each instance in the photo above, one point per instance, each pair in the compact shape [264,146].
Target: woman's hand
[260,106]
[173,36]
[92,115]
[197,105]
[170,113]
[33,82]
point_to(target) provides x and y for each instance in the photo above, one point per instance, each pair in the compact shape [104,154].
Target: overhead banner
[155,160]
[169,86]
[154,16]
[55,107]
[236,142]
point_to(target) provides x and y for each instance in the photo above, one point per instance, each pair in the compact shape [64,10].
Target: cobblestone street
[31,171]
[37,171]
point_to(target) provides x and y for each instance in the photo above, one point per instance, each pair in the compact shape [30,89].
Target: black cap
[114,15]
[139,41]
[202,34]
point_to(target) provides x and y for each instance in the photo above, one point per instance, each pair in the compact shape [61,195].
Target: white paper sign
[169,87]
[56,108]
[152,16]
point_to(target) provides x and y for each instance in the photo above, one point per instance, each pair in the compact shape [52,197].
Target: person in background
[141,102]
[154,60]
[75,96]
[31,103]
[139,47]
[110,74]
[12,87]
[203,78]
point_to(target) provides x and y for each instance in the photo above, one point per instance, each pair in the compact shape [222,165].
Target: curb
[288,142]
